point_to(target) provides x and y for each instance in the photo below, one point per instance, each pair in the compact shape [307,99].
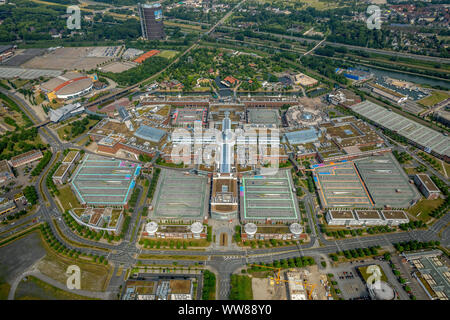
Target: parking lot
[349,282]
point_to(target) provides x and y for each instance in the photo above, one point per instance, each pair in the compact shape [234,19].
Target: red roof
[145,56]
[230,79]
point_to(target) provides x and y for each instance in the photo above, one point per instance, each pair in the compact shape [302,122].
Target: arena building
[68,86]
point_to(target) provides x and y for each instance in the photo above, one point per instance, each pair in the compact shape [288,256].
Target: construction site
[292,284]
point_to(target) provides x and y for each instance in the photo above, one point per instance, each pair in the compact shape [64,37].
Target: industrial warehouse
[428,139]
[268,198]
[102,181]
[369,182]
[180,196]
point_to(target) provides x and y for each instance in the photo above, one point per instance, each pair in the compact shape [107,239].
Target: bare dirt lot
[117,67]
[262,290]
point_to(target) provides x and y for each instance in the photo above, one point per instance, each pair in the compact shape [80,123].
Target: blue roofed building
[123,114]
[150,133]
[302,136]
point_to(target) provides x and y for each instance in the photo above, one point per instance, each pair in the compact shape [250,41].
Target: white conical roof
[196,227]
[151,227]
[250,228]
[295,228]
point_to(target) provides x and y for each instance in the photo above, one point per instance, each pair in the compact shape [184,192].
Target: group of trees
[61,248]
[298,262]
[153,183]
[49,180]
[412,225]
[209,285]
[402,156]
[415,245]
[355,253]
[15,143]
[30,194]
[42,163]
[133,198]
[326,67]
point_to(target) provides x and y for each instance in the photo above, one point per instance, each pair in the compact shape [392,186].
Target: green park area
[435,97]
[168,54]
[424,207]
[76,128]
[67,198]
[241,288]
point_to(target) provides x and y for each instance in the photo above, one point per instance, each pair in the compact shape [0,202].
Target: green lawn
[424,207]
[241,288]
[169,54]
[4,289]
[67,198]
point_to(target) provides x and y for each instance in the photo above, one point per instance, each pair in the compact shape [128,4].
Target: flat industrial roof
[367,214]
[180,195]
[375,181]
[189,115]
[104,181]
[70,156]
[386,181]
[269,197]
[394,214]
[263,116]
[429,184]
[340,185]
[410,129]
[341,214]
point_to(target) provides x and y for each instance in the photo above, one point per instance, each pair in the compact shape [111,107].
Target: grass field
[168,54]
[423,209]
[4,289]
[36,289]
[67,198]
[94,277]
[435,97]
[241,288]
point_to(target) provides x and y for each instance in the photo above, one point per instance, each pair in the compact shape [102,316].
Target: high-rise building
[151,21]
